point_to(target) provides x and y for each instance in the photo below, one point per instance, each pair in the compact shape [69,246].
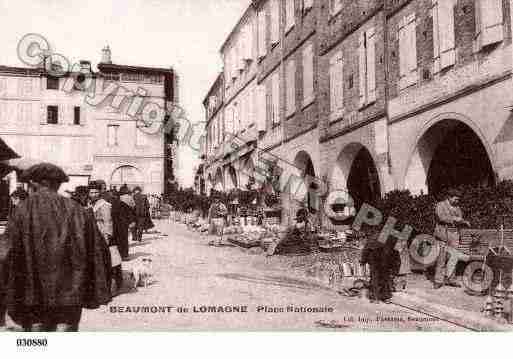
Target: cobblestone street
[188,273]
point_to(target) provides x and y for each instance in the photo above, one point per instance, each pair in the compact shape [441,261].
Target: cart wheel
[359,284]
[477,277]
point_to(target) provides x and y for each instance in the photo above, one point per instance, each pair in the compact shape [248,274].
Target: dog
[142,272]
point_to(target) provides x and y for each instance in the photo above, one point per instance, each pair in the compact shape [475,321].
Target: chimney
[106,55]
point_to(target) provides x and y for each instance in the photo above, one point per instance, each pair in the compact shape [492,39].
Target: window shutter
[241,49]
[412,50]
[261,108]
[490,22]
[276,97]
[336,83]
[436,36]
[403,51]
[291,15]
[308,90]
[362,73]
[371,65]
[275,21]
[262,50]
[307,4]
[446,33]
[291,87]
[251,106]
[43,114]
[249,42]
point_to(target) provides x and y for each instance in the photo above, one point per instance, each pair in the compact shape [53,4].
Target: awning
[6,152]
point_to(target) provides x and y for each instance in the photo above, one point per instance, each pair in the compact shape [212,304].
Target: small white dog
[142,272]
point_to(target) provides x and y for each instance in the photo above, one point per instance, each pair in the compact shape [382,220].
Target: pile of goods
[337,240]
[344,273]
[246,236]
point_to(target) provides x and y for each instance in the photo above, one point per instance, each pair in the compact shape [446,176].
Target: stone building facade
[83,121]
[371,96]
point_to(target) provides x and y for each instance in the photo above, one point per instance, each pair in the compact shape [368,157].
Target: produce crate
[475,242]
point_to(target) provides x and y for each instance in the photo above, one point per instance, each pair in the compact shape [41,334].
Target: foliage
[483,206]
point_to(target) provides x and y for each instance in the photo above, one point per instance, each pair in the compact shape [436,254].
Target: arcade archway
[129,175]
[305,173]
[356,173]
[449,154]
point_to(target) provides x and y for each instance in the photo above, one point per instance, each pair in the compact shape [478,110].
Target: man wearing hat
[47,255]
[449,219]
[216,219]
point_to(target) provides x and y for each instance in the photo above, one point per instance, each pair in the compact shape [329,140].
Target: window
[140,137]
[262,41]
[307,5]
[291,88]
[335,6]
[52,83]
[443,34]
[308,76]
[290,15]
[112,135]
[407,52]
[275,22]
[76,115]
[261,109]
[275,98]
[367,67]
[52,117]
[489,22]
[336,85]
[248,41]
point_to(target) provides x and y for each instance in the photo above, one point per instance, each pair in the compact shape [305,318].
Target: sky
[184,34]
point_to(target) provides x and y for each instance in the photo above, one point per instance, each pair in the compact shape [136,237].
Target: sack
[115,256]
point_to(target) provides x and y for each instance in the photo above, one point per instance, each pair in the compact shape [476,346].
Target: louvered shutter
[308,90]
[371,65]
[262,41]
[446,33]
[275,21]
[261,108]
[412,50]
[336,83]
[490,22]
[276,97]
[362,71]
[290,14]
[291,87]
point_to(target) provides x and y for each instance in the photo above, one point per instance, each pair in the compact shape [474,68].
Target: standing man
[126,220]
[47,255]
[142,212]
[449,220]
[103,215]
[16,198]
[216,218]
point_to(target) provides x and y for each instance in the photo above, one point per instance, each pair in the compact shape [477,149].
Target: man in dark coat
[126,220]
[48,259]
[16,198]
[142,212]
[97,287]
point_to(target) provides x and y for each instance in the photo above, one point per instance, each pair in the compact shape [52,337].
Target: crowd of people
[65,254]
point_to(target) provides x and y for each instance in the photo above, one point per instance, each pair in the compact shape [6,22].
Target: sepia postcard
[264,165]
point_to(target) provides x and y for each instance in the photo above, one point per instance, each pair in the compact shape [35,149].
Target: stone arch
[219,180]
[450,150]
[301,179]
[127,174]
[356,173]
[231,179]
[246,172]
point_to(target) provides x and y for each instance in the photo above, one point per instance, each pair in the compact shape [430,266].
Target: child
[383,260]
